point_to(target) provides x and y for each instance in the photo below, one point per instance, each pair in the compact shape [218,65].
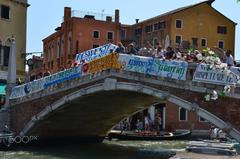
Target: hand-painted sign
[154,66]
[95,53]
[62,76]
[28,88]
[107,62]
[204,74]
[38,85]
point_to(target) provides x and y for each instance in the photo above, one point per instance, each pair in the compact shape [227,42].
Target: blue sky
[45,15]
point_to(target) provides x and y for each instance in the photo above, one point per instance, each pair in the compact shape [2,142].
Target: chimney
[137,20]
[67,13]
[116,16]
[109,19]
[209,2]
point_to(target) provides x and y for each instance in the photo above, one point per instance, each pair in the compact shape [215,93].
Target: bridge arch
[111,84]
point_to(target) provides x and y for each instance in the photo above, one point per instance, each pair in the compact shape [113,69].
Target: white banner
[154,66]
[43,83]
[206,75]
[95,53]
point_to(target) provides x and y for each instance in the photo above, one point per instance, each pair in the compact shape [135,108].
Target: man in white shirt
[229,58]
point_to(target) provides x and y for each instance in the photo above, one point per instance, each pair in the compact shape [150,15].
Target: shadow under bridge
[90,116]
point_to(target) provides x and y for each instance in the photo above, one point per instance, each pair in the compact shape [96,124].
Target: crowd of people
[143,124]
[177,53]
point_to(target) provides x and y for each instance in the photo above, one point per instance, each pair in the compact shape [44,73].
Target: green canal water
[105,150]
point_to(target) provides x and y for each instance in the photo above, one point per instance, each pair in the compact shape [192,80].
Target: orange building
[78,32]
[195,26]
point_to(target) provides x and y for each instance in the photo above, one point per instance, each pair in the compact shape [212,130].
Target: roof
[209,2]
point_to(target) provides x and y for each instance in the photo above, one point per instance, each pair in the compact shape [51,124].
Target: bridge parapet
[187,84]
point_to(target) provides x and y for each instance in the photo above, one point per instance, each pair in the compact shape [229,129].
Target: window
[221,44]
[77,46]
[178,23]
[62,45]
[148,28]
[5,12]
[204,42]
[69,43]
[123,34]
[222,30]
[58,49]
[96,34]
[202,119]
[178,39]
[138,31]
[49,54]
[195,42]
[94,46]
[6,52]
[110,35]
[52,52]
[182,114]
[156,26]
[162,25]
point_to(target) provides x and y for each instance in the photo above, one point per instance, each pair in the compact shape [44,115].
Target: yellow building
[196,26]
[13,18]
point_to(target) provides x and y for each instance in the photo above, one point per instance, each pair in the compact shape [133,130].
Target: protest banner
[95,53]
[215,76]
[154,66]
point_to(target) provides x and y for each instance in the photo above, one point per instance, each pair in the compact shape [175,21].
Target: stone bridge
[91,105]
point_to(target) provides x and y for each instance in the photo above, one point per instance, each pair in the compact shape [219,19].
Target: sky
[45,15]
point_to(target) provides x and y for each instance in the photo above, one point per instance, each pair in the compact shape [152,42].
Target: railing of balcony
[96,16]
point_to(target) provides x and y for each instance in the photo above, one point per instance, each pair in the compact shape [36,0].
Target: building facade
[13,23]
[196,26]
[35,65]
[78,32]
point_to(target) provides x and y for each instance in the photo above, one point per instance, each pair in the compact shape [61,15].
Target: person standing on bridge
[121,48]
[229,58]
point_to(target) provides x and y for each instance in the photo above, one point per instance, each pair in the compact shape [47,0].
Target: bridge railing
[178,72]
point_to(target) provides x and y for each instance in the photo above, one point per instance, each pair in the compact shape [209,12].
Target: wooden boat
[148,135]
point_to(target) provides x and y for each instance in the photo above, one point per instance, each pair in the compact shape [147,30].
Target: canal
[105,150]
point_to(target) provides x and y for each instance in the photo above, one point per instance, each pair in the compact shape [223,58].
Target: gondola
[148,135]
